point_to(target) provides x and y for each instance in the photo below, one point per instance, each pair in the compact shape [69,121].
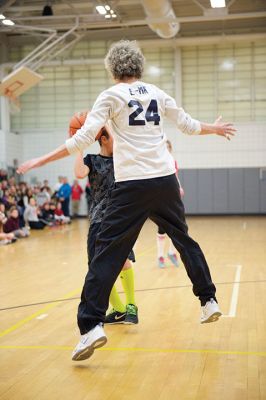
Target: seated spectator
[12,224]
[3,213]
[3,175]
[52,207]
[47,213]
[5,238]
[11,201]
[5,195]
[31,215]
[4,184]
[26,196]
[42,197]
[59,215]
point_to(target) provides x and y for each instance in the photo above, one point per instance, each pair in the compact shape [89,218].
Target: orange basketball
[77,121]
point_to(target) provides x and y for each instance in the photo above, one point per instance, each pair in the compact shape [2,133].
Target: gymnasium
[208,55]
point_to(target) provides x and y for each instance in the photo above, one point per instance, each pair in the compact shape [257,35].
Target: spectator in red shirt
[59,215]
[76,192]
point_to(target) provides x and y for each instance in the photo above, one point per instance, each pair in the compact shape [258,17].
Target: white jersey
[135,113]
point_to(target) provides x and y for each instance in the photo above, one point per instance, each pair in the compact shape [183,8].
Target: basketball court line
[235,293]
[24,321]
[136,290]
[143,350]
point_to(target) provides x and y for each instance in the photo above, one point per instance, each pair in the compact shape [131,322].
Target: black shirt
[101,177]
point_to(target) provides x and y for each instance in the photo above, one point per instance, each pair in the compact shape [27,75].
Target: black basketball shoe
[131,314]
[115,317]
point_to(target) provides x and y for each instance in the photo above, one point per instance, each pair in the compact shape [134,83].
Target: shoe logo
[119,316]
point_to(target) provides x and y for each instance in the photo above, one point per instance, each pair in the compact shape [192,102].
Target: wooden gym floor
[169,355]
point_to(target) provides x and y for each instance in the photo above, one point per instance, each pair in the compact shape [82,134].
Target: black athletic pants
[131,204]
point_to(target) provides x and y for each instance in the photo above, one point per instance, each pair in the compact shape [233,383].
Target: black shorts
[92,237]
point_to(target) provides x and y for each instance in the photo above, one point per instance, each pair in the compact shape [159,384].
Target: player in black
[100,170]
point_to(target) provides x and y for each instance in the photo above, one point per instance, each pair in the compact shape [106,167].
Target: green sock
[127,279]
[115,301]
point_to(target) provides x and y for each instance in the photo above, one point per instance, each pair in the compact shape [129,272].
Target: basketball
[76,122]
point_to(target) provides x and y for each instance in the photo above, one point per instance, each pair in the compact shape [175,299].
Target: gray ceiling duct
[160,10]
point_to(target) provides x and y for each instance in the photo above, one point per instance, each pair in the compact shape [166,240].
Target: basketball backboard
[18,82]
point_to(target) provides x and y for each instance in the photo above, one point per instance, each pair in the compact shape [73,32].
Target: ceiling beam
[6,5]
[199,5]
[103,23]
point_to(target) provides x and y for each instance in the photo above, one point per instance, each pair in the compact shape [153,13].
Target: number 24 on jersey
[151,115]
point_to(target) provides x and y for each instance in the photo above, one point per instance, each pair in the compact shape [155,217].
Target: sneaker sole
[212,318]
[130,322]
[88,351]
[114,323]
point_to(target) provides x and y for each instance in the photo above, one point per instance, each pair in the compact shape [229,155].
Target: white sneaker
[210,312]
[94,339]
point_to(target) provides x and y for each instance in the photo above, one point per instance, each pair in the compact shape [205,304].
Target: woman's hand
[219,128]
[224,129]
[57,154]
[30,164]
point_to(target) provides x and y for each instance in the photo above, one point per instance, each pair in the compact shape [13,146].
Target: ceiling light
[218,3]
[47,11]
[154,71]
[227,65]
[107,16]
[111,11]
[101,10]
[2,16]
[8,22]
[113,15]
[108,8]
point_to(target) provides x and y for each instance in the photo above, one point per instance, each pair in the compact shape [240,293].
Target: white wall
[14,149]
[246,149]
[10,148]
[2,149]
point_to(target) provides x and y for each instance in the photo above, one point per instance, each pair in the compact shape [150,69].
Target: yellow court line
[49,307]
[144,350]
[36,314]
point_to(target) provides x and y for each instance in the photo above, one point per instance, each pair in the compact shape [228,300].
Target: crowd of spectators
[24,207]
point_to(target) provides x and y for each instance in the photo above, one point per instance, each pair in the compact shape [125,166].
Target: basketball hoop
[14,102]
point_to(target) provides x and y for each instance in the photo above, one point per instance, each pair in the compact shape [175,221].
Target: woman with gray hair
[145,187]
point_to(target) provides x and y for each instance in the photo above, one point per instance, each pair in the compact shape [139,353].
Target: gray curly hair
[125,60]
